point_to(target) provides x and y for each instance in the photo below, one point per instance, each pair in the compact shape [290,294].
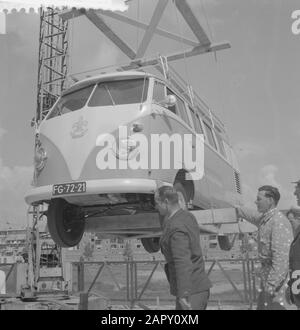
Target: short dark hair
[272,192]
[295,212]
[169,193]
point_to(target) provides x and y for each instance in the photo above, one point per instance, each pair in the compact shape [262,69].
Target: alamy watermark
[152,152]
[8,5]
[113,5]
[296,23]
[295,287]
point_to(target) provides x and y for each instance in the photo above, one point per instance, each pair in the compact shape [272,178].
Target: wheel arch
[188,185]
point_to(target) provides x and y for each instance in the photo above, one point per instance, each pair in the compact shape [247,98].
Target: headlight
[40,157]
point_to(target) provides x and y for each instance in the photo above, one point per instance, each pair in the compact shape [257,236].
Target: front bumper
[95,187]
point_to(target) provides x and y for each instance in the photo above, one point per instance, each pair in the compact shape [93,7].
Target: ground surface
[112,283]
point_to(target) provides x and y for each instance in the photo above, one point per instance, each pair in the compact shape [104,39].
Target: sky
[253,87]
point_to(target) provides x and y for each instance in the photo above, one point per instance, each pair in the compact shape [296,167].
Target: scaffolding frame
[53,60]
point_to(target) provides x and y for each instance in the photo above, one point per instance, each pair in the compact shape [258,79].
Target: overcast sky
[253,87]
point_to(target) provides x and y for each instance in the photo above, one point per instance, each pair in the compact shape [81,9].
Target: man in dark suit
[294,261]
[180,244]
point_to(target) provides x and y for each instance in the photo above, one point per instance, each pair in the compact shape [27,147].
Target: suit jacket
[180,244]
[295,251]
[295,263]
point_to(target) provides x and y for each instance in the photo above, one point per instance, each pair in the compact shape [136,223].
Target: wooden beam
[66,15]
[108,32]
[192,22]
[178,56]
[158,12]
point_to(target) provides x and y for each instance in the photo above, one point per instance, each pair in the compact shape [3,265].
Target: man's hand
[185,304]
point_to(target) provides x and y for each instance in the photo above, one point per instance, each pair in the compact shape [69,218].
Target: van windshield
[119,92]
[107,93]
[71,102]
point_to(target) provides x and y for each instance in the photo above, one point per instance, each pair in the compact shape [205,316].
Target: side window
[221,145]
[228,152]
[196,121]
[210,136]
[173,108]
[179,108]
[158,91]
[182,110]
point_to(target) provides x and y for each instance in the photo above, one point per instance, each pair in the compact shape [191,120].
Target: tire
[151,244]
[65,223]
[182,195]
[226,242]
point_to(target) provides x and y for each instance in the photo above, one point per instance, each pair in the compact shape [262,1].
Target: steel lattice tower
[53,58]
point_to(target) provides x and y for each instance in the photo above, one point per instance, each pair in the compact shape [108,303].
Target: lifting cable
[211,34]
[189,87]
[220,84]
[210,113]
[191,94]
[138,14]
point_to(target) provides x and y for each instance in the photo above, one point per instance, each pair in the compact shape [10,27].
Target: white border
[2,23]
[112,5]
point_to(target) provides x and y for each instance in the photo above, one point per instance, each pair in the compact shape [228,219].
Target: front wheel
[65,223]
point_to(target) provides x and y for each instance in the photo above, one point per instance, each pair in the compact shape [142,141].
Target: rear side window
[228,152]
[182,110]
[173,108]
[196,121]
[210,136]
[221,145]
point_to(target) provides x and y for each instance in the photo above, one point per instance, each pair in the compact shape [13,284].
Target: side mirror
[169,101]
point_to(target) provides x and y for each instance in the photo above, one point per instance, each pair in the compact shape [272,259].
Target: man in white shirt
[275,236]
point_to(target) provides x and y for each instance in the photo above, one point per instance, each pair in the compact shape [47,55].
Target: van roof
[132,75]
[107,76]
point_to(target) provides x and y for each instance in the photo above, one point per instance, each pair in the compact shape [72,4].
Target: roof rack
[190,95]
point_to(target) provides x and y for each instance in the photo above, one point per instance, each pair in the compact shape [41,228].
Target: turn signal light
[40,157]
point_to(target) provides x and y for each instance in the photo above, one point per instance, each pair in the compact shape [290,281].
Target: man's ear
[273,201]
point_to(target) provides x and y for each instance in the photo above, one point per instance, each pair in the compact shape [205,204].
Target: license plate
[69,188]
